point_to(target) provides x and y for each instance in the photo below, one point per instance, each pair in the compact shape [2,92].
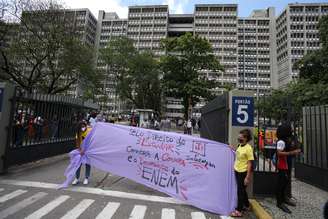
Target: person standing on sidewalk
[325,211]
[82,131]
[284,139]
[243,170]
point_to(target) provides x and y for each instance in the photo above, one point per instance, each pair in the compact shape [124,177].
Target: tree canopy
[44,52]
[184,68]
[312,86]
[136,74]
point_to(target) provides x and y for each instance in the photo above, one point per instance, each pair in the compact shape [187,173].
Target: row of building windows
[216,17]
[148,10]
[216,9]
[282,56]
[310,9]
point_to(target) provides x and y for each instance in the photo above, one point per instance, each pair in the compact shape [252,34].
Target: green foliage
[294,97]
[310,89]
[314,66]
[136,74]
[186,57]
[323,31]
[44,52]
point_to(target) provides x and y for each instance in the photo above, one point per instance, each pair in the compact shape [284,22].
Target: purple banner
[195,170]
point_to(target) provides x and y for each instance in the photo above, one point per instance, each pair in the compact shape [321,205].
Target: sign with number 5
[242,111]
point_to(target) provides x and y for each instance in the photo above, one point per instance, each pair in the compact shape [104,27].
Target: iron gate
[42,126]
[312,166]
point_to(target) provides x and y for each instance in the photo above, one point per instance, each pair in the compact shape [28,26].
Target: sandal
[247,208]
[236,214]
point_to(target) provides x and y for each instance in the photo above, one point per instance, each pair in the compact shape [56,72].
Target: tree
[46,54]
[310,89]
[183,66]
[136,74]
[314,66]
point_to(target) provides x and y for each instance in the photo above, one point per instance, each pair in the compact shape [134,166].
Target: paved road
[31,191]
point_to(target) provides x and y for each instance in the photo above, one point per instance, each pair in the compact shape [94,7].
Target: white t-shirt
[189,124]
[281,145]
[92,122]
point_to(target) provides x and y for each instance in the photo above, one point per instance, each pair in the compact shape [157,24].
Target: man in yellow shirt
[243,170]
[82,132]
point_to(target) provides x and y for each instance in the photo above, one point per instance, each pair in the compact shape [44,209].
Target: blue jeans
[87,171]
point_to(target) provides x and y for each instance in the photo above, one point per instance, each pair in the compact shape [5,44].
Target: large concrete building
[258,52]
[297,34]
[257,63]
[147,26]
[218,24]
[109,26]
[245,46]
[86,23]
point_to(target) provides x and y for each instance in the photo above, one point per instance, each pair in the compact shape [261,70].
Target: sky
[245,7]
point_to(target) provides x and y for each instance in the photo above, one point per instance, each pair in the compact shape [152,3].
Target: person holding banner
[82,131]
[243,170]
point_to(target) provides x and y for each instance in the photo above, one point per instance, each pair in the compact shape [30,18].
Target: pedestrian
[284,139]
[198,123]
[82,131]
[93,119]
[39,122]
[243,170]
[156,125]
[189,127]
[325,210]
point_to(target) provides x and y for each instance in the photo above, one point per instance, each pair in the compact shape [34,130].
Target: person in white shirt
[189,127]
[92,120]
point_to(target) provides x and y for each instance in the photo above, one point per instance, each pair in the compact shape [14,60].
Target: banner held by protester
[195,170]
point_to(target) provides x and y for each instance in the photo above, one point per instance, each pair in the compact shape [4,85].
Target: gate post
[241,116]
[7,92]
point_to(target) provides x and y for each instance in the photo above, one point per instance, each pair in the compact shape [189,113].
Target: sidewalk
[310,202]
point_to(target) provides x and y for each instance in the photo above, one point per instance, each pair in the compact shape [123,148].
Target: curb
[259,210]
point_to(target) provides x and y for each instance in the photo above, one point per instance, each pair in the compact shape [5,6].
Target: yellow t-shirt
[83,135]
[243,155]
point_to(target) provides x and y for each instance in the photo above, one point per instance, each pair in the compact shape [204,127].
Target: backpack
[254,162]
[275,159]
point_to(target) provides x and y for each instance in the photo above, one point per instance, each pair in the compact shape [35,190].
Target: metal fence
[42,126]
[265,174]
[312,166]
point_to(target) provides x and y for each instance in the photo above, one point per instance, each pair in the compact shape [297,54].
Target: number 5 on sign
[242,114]
[243,111]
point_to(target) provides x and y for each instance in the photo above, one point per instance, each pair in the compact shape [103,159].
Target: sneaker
[75,181]
[86,181]
[290,202]
[284,208]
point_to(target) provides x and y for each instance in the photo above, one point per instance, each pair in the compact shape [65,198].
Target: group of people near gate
[243,166]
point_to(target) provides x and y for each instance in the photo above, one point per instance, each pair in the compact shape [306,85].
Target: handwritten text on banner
[195,170]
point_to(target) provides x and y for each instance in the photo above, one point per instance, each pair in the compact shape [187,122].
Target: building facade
[109,26]
[297,34]
[257,51]
[218,24]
